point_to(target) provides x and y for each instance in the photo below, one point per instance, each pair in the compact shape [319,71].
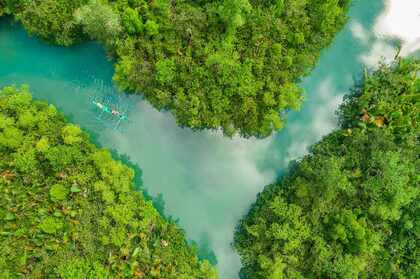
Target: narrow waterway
[207,182]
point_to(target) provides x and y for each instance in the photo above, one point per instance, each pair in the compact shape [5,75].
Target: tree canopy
[1,8]
[229,64]
[68,210]
[349,209]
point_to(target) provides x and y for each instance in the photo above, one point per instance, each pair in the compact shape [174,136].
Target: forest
[230,65]
[70,211]
[351,208]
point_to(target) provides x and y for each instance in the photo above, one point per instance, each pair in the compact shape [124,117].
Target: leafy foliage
[51,20]
[69,210]
[98,20]
[229,64]
[349,209]
[1,8]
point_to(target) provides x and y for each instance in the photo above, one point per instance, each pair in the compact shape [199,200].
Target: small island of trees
[226,64]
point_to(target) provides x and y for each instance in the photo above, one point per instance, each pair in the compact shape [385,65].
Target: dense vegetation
[230,64]
[68,210]
[351,208]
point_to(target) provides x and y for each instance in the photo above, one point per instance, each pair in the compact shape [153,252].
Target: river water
[206,182]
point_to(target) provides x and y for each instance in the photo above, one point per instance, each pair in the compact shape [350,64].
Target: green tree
[69,210]
[231,64]
[51,20]
[132,21]
[152,28]
[349,209]
[99,20]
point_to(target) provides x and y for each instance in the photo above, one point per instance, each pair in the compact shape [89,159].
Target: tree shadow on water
[204,250]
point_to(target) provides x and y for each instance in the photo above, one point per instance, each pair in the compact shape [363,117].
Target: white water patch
[401,19]
[219,164]
[324,120]
[381,52]
[326,100]
[359,32]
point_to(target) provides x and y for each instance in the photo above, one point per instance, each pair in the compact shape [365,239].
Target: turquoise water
[206,181]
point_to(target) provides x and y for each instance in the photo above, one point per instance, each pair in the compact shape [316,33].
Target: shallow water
[207,181]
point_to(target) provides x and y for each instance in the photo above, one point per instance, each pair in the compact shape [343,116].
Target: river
[207,182]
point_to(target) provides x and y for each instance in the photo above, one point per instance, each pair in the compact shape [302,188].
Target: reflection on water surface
[205,181]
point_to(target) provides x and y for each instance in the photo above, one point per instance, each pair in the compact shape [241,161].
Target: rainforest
[230,64]
[136,138]
[350,208]
[69,210]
